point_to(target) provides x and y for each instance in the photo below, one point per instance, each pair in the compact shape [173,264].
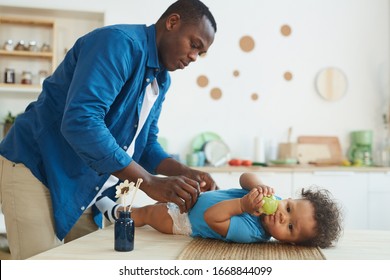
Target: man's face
[292,222]
[182,43]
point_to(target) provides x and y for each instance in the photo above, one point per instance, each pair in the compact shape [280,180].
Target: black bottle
[124,232]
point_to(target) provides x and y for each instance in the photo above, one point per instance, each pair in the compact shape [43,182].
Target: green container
[362,137]
[360,151]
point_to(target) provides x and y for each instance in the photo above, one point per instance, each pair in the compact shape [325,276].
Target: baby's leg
[155,215]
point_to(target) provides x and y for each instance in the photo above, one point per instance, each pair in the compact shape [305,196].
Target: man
[96,122]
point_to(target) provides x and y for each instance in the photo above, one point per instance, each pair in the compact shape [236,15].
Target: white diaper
[181,222]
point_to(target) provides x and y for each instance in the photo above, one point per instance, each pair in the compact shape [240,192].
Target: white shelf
[13,88]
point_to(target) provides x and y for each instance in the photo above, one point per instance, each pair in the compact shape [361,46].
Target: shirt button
[156,69]
[82,208]
[125,148]
[147,80]
[97,189]
[135,125]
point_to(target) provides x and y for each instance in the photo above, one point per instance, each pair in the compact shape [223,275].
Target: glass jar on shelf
[9,76]
[32,46]
[26,78]
[45,48]
[8,45]
[20,46]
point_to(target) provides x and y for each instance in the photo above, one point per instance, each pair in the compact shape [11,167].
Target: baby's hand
[252,201]
[266,190]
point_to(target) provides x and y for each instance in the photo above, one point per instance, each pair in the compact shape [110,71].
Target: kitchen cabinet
[378,201]
[38,56]
[348,188]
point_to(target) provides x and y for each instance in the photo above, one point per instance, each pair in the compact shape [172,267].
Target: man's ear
[172,21]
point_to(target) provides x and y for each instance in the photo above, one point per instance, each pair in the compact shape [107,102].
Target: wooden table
[150,244]
[361,245]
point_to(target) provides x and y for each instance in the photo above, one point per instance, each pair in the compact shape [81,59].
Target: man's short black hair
[190,11]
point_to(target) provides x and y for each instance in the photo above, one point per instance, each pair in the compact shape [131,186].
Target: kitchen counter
[150,244]
[292,168]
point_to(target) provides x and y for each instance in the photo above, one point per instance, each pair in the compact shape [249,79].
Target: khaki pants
[27,208]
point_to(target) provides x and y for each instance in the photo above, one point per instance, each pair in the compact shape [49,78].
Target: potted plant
[8,122]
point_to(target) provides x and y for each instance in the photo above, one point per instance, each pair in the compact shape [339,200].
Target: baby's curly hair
[327,215]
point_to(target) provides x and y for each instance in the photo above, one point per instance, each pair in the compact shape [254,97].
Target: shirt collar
[153,61]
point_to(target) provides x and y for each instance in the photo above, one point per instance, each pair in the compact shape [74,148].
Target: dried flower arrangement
[126,187]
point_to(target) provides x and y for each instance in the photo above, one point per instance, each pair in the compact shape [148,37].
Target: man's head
[313,220]
[184,31]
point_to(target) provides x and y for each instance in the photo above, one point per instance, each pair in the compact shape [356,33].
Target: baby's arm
[218,216]
[250,181]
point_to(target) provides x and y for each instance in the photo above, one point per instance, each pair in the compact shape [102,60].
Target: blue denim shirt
[77,132]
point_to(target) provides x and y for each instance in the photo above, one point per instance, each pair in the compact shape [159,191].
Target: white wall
[352,35]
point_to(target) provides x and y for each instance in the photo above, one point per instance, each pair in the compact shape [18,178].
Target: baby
[235,215]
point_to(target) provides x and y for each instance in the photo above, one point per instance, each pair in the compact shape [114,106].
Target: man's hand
[180,190]
[181,185]
[206,182]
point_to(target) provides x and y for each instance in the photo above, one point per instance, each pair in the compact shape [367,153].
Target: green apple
[270,205]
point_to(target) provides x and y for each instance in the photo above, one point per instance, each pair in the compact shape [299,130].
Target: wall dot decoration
[288,76]
[254,96]
[216,93]
[285,30]
[247,43]
[202,81]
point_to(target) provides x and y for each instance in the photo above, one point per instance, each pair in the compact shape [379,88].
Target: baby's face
[292,222]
